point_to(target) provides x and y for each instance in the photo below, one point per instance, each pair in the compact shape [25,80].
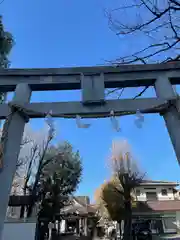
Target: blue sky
[63,33]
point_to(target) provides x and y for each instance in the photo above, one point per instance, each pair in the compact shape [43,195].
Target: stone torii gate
[92,81]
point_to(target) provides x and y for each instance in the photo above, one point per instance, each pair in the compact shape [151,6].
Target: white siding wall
[177,195]
[142,197]
[178,220]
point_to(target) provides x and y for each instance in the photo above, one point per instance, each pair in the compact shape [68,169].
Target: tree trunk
[23,207]
[36,237]
[22,211]
[128,221]
[30,209]
[33,199]
[33,195]
[120,229]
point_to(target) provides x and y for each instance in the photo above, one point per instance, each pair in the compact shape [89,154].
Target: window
[11,212]
[138,193]
[154,228]
[164,192]
[169,224]
[158,225]
[151,196]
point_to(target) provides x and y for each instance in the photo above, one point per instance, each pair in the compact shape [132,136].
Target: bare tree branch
[141,93]
[160,18]
[22,161]
[154,22]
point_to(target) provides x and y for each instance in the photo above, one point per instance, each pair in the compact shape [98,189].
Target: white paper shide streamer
[80,124]
[49,119]
[114,121]
[139,119]
[50,122]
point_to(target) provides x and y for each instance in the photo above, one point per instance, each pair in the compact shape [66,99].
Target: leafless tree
[21,160]
[129,176]
[37,157]
[154,23]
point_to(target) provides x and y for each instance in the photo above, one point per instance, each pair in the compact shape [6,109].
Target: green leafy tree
[60,177]
[52,175]
[50,170]
[6,44]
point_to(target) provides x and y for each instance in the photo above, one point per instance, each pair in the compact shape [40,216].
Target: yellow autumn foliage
[109,199]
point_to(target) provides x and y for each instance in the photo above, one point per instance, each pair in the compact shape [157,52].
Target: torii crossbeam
[92,81]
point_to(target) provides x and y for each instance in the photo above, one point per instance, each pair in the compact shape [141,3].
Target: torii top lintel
[70,78]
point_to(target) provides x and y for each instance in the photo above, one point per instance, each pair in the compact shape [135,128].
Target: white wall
[142,197]
[177,195]
[19,231]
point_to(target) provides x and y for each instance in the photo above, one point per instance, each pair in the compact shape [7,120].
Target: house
[156,191]
[159,202]
[156,201]
[78,214]
[77,204]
